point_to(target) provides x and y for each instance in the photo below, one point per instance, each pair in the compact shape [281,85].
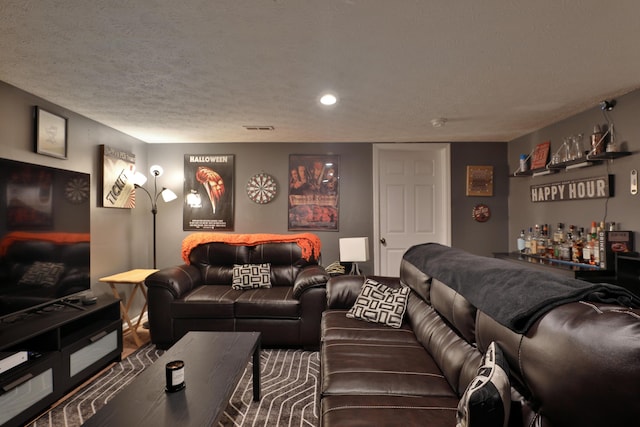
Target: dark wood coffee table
[214,363]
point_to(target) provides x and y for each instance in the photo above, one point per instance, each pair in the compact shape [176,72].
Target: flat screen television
[44,236]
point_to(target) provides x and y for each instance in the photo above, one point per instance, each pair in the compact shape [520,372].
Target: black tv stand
[71,342]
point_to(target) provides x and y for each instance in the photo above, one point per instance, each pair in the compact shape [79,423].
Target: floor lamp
[167,195]
[354,250]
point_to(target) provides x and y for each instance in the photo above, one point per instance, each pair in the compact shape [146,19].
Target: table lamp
[354,250]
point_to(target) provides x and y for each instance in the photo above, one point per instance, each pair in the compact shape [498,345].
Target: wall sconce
[167,195]
[354,250]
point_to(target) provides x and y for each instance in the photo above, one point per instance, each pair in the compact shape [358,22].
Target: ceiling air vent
[259,128]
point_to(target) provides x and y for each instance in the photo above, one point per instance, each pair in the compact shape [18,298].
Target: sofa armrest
[177,280]
[311,276]
[342,291]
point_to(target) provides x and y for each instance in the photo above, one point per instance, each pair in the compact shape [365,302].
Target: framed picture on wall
[480,181]
[540,156]
[116,189]
[50,133]
[208,192]
[314,192]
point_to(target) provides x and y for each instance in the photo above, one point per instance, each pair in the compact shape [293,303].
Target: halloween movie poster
[313,192]
[208,192]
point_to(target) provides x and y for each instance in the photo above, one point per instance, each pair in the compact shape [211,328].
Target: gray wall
[115,233]
[356,197]
[482,238]
[121,238]
[622,208]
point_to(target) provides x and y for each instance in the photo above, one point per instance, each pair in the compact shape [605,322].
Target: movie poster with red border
[208,192]
[314,192]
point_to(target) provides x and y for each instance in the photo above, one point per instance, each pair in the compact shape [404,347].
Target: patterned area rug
[289,381]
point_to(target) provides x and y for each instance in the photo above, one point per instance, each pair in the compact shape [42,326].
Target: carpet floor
[289,382]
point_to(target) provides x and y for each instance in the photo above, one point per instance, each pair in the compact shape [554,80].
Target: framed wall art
[116,188]
[480,181]
[314,192]
[540,156]
[208,192]
[50,133]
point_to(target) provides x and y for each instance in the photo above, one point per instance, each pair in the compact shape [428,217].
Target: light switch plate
[634,181]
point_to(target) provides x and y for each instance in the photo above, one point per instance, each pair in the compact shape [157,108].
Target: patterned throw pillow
[487,400]
[251,276]
[379,303]
[42,274]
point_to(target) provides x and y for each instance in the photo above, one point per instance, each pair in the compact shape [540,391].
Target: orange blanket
[309,243]
[59,238]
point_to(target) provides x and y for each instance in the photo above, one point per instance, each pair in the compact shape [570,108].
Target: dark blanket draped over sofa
[514,296]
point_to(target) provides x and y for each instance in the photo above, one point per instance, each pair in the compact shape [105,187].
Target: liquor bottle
[521,242]
[586,250]
[534,241]
[527,241]
[595,244]
[542,242]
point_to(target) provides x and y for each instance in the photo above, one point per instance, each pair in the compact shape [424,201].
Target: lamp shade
[354,249]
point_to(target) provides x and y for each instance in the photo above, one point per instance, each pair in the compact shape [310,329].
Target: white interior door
[412,202]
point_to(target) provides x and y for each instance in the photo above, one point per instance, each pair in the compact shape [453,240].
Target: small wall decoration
[481,213]
[314,192]
[480,181]
[117,189]
[576,189]
[540,156]
[51,134]
[261,188]
[208,189]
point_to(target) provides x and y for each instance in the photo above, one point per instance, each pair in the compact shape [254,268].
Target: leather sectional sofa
[573,349]
[198,295]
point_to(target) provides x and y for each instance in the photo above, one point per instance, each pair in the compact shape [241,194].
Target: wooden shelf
[589,160]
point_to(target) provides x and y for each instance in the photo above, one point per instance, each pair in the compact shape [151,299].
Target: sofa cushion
[387,411]
[487,400]
[337,327]
[251,276]
[379,368]
[379,303]
[42,274]
[206,302]
[276,302]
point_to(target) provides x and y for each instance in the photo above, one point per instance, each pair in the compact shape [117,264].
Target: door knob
[383,241]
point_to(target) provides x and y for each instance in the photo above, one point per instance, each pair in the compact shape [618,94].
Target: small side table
[131,277]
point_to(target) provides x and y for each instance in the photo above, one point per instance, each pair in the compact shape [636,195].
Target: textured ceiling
[198,70]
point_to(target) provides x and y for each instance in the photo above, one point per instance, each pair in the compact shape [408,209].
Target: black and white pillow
[487,400]
[42,274]
[378,303]
[251,276]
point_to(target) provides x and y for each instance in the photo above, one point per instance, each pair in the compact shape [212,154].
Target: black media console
[67,343]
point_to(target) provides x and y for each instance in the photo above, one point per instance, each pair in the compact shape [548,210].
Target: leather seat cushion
[336,326]
[377,368]
[383,411]
[276,302]
[207,302]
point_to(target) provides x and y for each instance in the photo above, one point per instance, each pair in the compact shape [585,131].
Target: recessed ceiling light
[328,99]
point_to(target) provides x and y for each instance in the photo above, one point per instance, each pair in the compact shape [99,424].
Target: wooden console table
[136,278]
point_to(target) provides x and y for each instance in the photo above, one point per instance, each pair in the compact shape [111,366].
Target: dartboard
[262,188]
[77,190]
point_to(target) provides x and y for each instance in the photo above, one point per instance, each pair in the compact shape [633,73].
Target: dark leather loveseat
[198,295]
[574,359]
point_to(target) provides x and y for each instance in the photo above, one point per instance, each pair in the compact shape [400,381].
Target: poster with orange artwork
[208,192]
